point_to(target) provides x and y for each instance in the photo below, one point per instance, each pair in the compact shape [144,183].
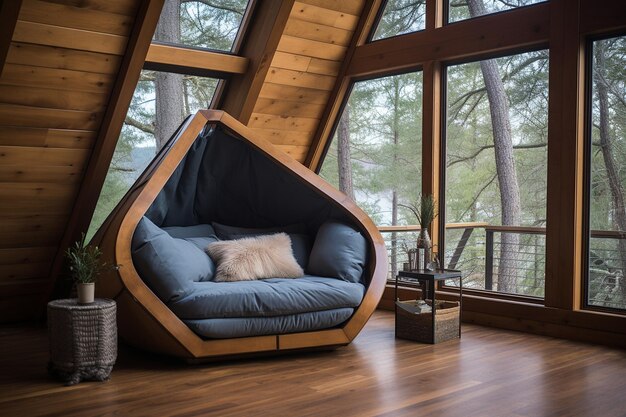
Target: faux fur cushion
[251,258]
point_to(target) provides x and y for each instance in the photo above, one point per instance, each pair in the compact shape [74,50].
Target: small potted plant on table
[425,211]
[85,268]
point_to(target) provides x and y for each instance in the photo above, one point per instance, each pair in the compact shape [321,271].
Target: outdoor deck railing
[476,249]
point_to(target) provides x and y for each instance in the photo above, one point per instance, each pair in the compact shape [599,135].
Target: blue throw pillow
[339,251]
[300,241]
[166,264]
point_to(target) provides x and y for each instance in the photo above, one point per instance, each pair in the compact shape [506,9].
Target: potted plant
[85,268]
[425,211]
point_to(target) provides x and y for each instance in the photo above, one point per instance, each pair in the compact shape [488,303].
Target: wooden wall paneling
[38,11]
[321,140]
[565,158]
[54,138]
[304,63]
[186,58]
[62,79]
[9,10]
[300,79]
[83,40]
[62,58]
[301,94]
[266,27]
[309,12]
[470,38]
[316,32]
[307,47]
[52,98]
[124,7]
[134,57]
[53,118]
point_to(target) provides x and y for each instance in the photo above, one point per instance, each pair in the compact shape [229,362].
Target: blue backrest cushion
[300,240]
[182,232]
[339,251]
[169,265]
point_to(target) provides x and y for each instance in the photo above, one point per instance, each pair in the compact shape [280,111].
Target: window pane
[466,9]
[376,153]
[607,216]
[143,133]
[400,17]
[201,24]
[496,168]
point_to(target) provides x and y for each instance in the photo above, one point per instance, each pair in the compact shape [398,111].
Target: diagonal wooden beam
[130,70]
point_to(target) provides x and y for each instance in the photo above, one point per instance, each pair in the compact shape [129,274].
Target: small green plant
[424,210]
[84,262]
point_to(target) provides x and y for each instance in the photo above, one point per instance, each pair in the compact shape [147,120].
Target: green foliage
[460,11]
[84,262]
[401,16]
[424,209]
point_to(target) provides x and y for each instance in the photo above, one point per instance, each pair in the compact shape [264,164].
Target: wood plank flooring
[489,372]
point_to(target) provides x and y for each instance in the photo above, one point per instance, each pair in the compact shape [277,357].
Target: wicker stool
[83,340]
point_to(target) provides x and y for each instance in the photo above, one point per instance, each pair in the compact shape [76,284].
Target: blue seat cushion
[300,240]
[169,266]
[266,298]
[199,230]
[339,251]
[257,326]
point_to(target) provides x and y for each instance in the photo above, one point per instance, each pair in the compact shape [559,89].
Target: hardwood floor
[489,372]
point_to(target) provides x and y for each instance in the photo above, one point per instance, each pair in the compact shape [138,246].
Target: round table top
[72,304]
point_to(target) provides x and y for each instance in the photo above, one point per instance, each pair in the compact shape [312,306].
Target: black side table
[83,339]
[427,280]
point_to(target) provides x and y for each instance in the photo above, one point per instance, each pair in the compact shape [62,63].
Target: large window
[400,17]
[496,163]
[606,284]
[160,104]
[375,156]
[466,9]
[201,24]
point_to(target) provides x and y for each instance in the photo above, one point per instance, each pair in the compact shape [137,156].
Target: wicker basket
[83,340]
[419,326]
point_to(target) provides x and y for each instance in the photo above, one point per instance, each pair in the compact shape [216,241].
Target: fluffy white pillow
[251,258]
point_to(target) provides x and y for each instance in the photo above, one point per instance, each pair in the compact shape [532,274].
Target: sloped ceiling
[61,67]
[64,61]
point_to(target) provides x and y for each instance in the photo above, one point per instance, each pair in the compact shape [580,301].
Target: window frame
[587,164]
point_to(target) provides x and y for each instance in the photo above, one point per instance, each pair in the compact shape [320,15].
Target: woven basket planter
[83,340]
[419,326]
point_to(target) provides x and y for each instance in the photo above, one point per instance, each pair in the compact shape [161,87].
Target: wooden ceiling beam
[180,59]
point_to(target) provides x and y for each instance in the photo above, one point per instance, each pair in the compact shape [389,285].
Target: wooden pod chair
[146,322]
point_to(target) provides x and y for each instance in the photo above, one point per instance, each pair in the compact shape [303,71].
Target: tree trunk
[168,87]
[343,154]
[606,146]
[505,164]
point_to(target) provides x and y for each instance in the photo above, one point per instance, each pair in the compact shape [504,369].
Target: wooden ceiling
[61,80]
[303,72]
[61,67]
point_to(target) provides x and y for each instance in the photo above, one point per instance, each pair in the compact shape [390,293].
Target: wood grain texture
[75,17]
[62,58]
[488,372]
[83,40]
[9,11]
[186,58]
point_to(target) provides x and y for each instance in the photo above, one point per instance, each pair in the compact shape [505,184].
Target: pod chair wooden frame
[146,322]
